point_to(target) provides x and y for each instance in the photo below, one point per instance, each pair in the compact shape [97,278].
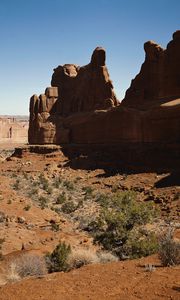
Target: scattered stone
[21,220]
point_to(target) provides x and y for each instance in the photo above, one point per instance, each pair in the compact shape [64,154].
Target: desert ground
[32,223]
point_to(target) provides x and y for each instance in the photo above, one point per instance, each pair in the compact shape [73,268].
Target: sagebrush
[119,226]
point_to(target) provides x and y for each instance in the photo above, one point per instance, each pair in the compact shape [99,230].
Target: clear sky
[38,35]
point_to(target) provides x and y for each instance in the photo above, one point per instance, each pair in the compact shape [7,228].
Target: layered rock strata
[81,107]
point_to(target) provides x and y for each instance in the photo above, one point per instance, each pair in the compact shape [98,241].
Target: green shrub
[16,185]
[2,217]
[61,198]
[57,182]
[139,244]
[120,218]
[43,202]
[69,185]
[27,207]
[25,175]
[57,260]
[103,200]
[88,192]
[68,207]
[115,188]
[55,227]
[44,182]
[49,190]
[169,250]
[33,191]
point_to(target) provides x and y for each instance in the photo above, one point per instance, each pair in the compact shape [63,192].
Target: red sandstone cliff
[84,88]
[75,90]
[85,110]
[159,77]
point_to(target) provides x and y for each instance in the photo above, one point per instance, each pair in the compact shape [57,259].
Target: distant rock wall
[13,130]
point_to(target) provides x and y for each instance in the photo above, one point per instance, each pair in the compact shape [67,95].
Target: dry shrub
[26,265]
[169,249]
[81,257]
[1,242]
[3,281]
[12,274]
[105,257]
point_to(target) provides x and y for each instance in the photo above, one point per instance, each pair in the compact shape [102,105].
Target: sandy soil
[120,280]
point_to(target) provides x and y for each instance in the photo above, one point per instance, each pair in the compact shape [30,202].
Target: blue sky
[38,35]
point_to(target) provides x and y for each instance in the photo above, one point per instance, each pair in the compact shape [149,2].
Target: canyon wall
[13,130]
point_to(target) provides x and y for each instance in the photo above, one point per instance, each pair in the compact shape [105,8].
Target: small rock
[21,220]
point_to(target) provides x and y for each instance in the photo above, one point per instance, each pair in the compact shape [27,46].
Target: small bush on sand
[61,198]
[43,201]
[55,227]
[140,244]
[69,185]
[26,265]
[88,192]
[68,207]
[105,257]
[27,207]
[81,257]
[12,273]
[57,260]
[2,217]
[16,185]
[169,249]
[57,182]
[118,227]
[1,242]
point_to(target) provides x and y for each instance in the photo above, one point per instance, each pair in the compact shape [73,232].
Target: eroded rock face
[41,130]
[159,77]
[74,90]
[81,107]
[84,88]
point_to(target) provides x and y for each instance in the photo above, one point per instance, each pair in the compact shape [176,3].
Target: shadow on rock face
[171,180]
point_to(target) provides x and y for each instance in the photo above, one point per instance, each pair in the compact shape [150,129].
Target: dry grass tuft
[24,266]
[81,257]
[12,274]
[105,257]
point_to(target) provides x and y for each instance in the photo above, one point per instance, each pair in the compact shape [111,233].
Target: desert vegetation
[82,219]
[1,242]
[169,249]
[120,226]
[117,221]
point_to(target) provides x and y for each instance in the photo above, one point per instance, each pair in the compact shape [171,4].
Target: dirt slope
[31,228]
[120,281]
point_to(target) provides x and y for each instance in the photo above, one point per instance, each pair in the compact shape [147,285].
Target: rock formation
[159,77]
[81,107]
[84,88]
[40,129]
[74,90]
[13,130]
